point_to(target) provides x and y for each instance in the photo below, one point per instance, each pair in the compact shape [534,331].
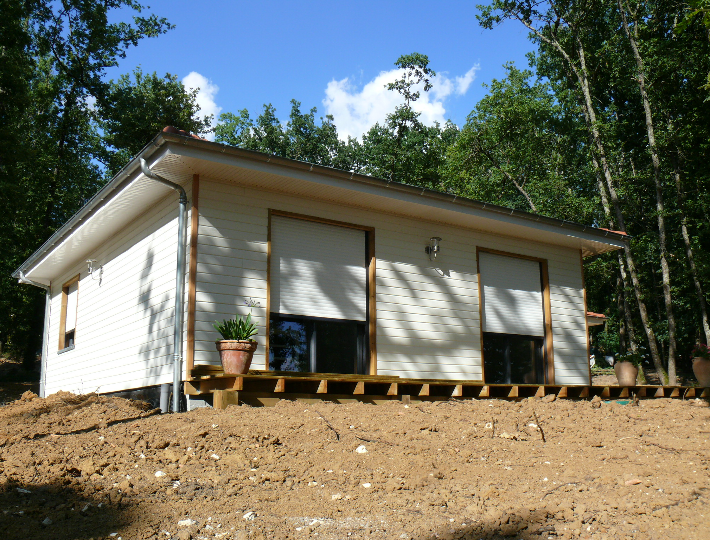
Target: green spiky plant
[239,328]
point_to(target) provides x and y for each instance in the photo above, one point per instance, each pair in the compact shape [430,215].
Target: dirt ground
[80,467]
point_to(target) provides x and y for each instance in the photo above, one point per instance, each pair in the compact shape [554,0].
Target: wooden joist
[269,386]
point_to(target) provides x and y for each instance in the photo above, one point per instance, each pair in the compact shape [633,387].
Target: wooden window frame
[63,315]
[371,265]
[548,351]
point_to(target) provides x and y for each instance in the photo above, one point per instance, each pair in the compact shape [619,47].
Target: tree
[133,110]
[517,149]
[59,53]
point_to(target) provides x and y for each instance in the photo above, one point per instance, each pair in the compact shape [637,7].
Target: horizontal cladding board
[423,320]
[421,303]
[245,258]
[238,231]
[232,244]
[434,296]
[450,287]
[221,271]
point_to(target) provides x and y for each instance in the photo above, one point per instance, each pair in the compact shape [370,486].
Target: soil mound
[90,466]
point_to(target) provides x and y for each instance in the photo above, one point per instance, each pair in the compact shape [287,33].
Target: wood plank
[393,389]
[238,383]
[458,391]
[485,392]
[659,392]
[359,388]
[540,393]
[424,391]
[322,387]
[562,392]
[191,389]
[192,273]
[280,385]
[221,399]
[513,392]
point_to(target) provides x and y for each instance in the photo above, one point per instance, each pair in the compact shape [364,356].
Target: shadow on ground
[61,512]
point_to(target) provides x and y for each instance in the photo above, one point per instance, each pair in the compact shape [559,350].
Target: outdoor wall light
[433,247]
[92,268]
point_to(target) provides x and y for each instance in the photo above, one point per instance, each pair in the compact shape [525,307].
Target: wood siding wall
[428,322]
[125,322]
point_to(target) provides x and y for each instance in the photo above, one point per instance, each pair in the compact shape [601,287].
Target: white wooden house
[338,266]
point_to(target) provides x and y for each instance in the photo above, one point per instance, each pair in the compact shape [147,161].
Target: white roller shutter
[317,270]
[72,298]
[512,295]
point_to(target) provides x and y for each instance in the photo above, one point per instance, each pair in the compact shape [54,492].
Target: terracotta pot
[626,373]
[701,368]
[235,355]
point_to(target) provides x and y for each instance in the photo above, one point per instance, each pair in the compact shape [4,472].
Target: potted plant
[627,367]
[701,364]
[236,348]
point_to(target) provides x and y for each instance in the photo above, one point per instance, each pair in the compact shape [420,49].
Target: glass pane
[288,342]
[337,346]
[512,359]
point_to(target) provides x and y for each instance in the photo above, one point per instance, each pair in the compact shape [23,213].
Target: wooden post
[221,399]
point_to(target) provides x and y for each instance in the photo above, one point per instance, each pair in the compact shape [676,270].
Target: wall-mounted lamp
[433,247]
[93,269]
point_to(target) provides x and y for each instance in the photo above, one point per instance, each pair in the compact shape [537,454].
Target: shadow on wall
[158,312]
[62,510]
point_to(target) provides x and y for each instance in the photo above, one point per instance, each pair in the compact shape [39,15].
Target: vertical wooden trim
[63,314]
[268,292]
[586,323]
[372,300]
[192,283]
[480,312]
[547,305]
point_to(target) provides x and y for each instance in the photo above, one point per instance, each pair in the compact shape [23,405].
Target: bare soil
[80,467]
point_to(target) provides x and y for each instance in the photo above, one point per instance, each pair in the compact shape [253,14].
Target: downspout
[45,330]
[179,282]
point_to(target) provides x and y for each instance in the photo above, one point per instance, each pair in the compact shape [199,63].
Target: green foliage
[55,55]
[518,149]
[239,328]
[134,109]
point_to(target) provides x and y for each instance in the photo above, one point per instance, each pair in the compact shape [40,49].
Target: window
[316,345]
[318,297]
[67,323]
[513,319]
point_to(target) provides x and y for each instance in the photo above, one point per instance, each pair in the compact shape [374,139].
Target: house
[343,273]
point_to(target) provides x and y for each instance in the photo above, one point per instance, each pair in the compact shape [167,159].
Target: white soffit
[315,185]
[136,197]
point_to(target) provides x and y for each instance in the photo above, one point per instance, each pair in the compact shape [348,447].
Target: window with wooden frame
[321,279]
[67,321]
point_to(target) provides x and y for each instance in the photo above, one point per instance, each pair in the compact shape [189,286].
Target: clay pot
[626,373]
[235,355]
[701,368]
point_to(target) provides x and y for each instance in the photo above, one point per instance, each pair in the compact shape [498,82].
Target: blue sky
[335,56]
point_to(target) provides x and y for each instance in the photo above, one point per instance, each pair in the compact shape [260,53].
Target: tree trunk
[660,207]
[580,73]
[690,257]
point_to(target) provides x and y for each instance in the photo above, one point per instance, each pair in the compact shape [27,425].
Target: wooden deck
[264,388]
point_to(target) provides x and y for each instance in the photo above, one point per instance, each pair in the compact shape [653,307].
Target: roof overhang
[177,158]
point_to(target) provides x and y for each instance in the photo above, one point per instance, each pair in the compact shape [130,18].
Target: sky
[336,56]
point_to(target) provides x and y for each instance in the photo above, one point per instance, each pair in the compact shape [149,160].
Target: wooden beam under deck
[267,387]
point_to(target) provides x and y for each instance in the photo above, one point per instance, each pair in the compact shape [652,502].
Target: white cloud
[207,91]
[355,111]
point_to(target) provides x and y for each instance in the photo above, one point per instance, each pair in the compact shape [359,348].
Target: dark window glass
[513,359]
[316,345]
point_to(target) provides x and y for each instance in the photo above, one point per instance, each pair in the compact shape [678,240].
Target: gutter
[179,281]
